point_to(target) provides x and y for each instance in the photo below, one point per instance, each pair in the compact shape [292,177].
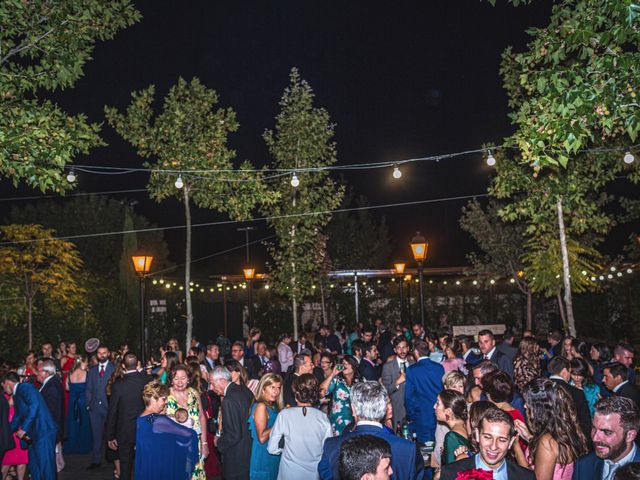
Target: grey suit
[96,395]
[390,372]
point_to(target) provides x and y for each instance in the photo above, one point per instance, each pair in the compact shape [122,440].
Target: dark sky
[400,79]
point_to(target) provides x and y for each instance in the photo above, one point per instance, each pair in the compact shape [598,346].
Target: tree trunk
[324,308]
[187,269]
[529,310]
[571,323]
[563,317]
[294,307]
[30,320]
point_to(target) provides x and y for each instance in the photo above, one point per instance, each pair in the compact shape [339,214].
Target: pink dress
[560,472]
[15,456]
[452,364]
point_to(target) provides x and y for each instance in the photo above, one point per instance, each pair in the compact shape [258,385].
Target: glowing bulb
[155,282]
[167,285]
[512,280]
[457,282]
[628,158]
[609,276]
[71,176]
[295,181]
[492,281]
[629,270]
[601,277]
[491,161]
[475,282]
[179,183]
[396,172]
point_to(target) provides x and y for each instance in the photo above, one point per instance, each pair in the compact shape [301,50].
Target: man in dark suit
[32,423]
[329,340]
[487,344]
[623,353]
[560,372]
[53,395]
[369,405]
[424,382]
[302,363]
[234,443]
[506,347]
[47,353]
[96,396]
[259,360]
[125,406]
[237,353]
[615,427]
[302,344]
[368,366]
[212,357]
[394,377]
[615,378]
[496,426]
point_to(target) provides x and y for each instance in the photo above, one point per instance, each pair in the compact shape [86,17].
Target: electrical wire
[259,219]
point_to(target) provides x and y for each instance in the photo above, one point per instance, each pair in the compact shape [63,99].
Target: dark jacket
[629,390]
[235,440]
[125,406]
[589,466]
[503,362]
[514,472]
[53,395]
[368,371]
[423,384]
[6,438]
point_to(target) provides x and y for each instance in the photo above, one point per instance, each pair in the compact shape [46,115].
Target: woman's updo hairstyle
[456,402]
[306,389]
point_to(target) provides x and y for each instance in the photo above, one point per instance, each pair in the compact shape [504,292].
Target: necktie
[486,357]
[101,371]
[403,367]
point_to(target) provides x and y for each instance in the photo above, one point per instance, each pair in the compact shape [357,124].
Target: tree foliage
[302,138]
[44,46]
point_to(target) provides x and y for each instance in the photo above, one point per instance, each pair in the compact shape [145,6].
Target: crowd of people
[374,403]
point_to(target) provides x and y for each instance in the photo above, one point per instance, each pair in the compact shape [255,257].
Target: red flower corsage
[475,474]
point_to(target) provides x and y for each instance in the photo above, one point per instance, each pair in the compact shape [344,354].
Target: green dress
[194,414]
[340,415]
[452,440]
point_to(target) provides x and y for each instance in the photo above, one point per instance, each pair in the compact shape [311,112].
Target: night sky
[400,79]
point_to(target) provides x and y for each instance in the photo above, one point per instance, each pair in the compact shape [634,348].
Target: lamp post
[419,248]
[142,265]
[249,273]
[399,268]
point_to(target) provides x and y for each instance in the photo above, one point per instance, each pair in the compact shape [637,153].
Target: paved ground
[76,469]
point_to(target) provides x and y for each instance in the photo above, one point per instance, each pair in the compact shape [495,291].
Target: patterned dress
[340,415]
[194,414]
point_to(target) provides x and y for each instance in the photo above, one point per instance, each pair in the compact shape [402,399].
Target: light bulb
[491,161]
[71,176]
[628,157]
[295,181]
[396,172]
[179,183]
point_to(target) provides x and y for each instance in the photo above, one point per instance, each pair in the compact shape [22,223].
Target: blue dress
[79,438]
[164,449]
[263,466]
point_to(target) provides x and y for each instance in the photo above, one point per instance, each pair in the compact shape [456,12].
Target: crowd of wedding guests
[376,402]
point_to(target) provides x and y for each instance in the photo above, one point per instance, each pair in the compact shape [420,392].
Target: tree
[302,140]
[34,264]
[502,246]
[188,141]
[43,47]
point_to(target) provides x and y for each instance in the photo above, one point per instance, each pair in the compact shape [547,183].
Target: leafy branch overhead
[44,46]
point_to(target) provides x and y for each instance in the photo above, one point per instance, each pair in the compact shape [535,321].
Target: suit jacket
[368,371]
[208,367]
[507,349]
[250,367]
[296,347]
[424,382]
[53,395]
[96,390]
[503,362]
[32,414]
[582,407]
[125,406]
[589,466]
[390,372]
[629,390]
[235,440]
[406,459]
[514,471]
[288,396]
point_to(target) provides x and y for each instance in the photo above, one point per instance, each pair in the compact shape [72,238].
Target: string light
[475,282]
[629,270]
[491,161]
[168,285]
[396,172]
[179,183]
[492,281]
[295,181]
[628,157]
[71,176]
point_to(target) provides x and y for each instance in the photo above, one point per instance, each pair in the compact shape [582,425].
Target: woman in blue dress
[581,378]
[164,448]
[79,439]
[264,411]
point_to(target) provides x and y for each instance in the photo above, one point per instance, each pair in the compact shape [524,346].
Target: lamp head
[141,264]
[419,247]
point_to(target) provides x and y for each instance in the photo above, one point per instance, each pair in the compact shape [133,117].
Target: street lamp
[419,247]
[399,268]
[249,273]
[142,265]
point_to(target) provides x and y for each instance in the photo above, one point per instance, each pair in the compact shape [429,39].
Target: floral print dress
[194,414]
[340,415]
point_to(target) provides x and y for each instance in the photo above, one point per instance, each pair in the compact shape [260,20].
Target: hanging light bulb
[71,176]
[491,161]
[179,183]
[295,181]
[396,172]
[628,157]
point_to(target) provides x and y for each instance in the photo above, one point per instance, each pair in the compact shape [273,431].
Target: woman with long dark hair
[552,430]
[582,378]
[338,385]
